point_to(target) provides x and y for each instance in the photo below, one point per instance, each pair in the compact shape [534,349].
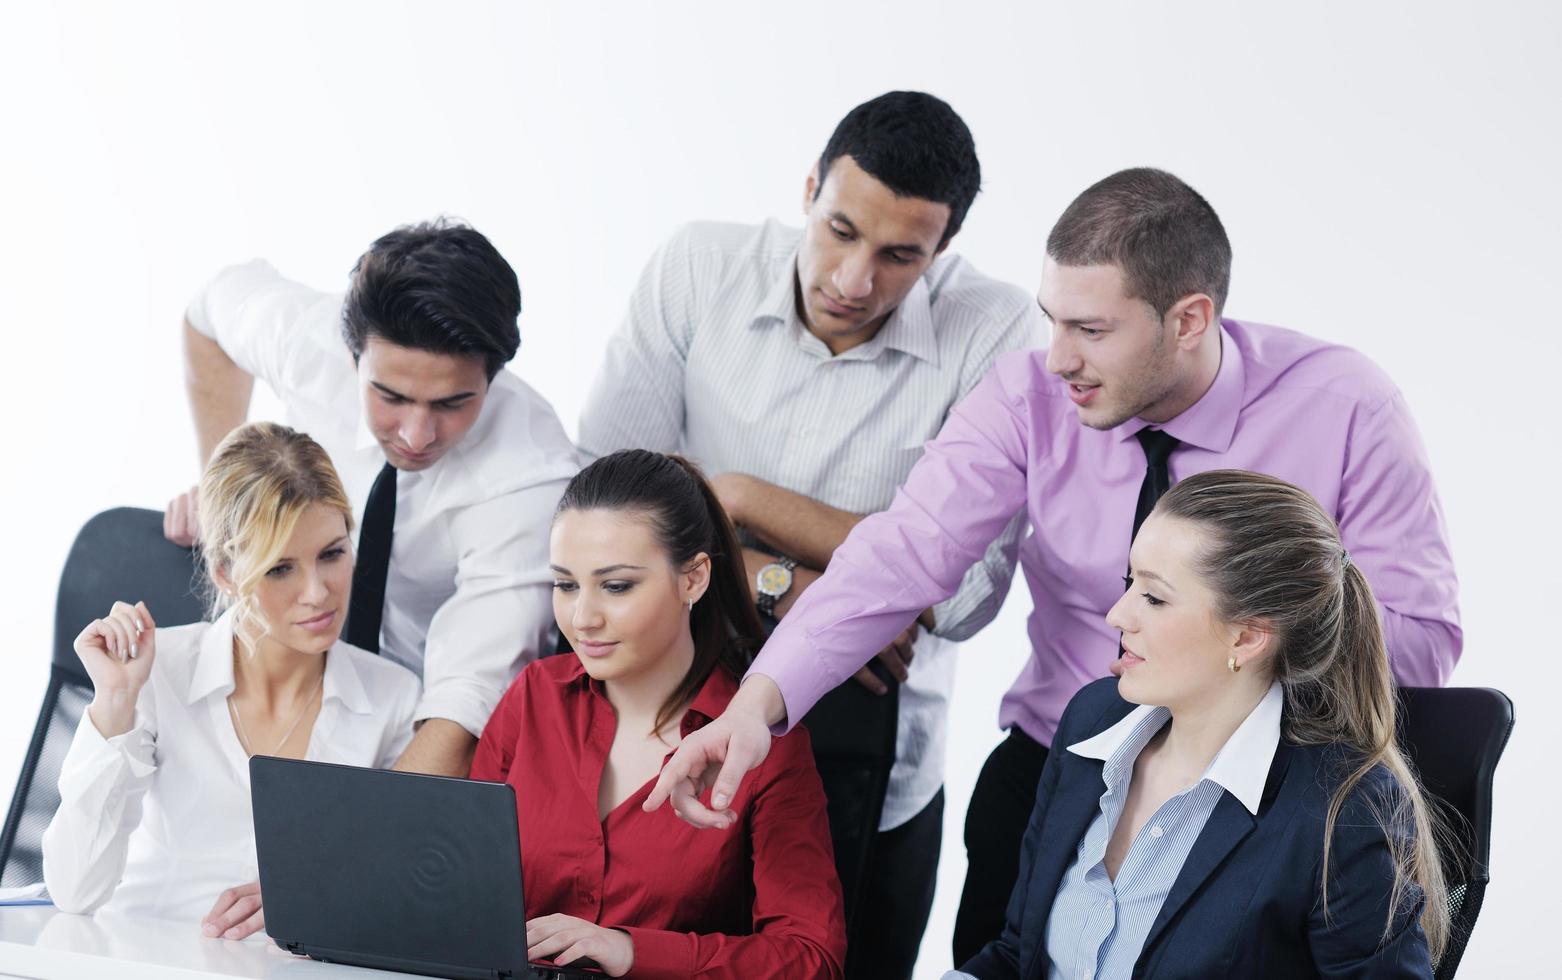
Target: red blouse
[759,899]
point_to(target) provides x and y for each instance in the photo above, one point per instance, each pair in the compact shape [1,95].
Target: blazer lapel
[1228,826]
[1069,813]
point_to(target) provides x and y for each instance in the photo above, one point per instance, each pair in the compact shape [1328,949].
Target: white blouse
[157,820]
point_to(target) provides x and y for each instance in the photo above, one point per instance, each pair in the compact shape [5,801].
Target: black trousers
[995,822]
[896,897]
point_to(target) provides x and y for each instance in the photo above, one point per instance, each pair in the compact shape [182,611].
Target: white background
[1388,173]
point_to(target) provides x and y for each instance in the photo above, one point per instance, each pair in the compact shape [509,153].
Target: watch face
[774,580]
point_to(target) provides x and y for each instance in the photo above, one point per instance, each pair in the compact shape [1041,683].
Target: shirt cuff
[133,745]
[661,954]
[798,690]
[196,313]
[463,702]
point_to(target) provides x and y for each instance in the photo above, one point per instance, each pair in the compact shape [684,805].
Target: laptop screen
[390,869]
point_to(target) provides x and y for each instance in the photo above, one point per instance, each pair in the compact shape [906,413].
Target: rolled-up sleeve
[501,615]
[102,784]
[1391,522]
[273,328]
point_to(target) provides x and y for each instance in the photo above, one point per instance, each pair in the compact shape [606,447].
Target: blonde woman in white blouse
[154,813]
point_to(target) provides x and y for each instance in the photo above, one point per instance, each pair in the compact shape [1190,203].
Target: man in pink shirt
[1143,383]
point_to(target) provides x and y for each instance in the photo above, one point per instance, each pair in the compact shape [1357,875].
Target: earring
[1232,665]
[691,605]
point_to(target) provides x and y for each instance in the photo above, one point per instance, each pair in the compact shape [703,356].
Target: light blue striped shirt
[1098,926]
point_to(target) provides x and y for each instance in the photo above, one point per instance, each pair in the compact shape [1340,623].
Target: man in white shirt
[454,465]
[804,370]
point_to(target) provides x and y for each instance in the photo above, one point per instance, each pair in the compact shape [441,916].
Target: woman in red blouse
[650,593]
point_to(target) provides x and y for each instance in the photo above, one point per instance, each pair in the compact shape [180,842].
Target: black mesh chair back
[119,554]
[1454,737]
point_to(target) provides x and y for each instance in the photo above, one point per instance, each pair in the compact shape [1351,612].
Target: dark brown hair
[687,519]
[914,144]
[439,286]
[1164,236]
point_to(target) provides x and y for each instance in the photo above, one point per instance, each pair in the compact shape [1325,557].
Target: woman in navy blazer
[1189,809]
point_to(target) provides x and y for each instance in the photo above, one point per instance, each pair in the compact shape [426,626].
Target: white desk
[40,942]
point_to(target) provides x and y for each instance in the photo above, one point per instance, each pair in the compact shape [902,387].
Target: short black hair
[1165,237]
[914,144]
[438,286]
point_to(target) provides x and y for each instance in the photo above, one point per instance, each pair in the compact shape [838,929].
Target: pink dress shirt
[1316,414]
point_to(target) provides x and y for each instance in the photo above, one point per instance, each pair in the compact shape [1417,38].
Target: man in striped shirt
[804,369]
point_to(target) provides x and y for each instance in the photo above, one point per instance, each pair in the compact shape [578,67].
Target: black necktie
[1158,447]
[374,549]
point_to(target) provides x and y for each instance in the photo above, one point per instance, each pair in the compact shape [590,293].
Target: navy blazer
[1247,901]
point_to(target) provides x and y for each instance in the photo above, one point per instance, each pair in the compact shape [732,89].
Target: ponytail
[724,623]
[1276,561]
[1358,679]
[687,520]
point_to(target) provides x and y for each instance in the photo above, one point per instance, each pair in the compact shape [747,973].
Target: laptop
[393,870]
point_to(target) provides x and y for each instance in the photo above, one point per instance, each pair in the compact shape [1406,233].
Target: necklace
[238,721]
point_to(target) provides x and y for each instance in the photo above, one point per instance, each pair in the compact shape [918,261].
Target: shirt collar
[780,303]
[909,328]
[1211,422]
[1241,767]
[213,672]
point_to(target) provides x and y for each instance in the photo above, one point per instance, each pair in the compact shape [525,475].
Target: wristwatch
[773,582]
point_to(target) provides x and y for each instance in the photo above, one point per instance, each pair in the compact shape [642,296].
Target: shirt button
[1156,831]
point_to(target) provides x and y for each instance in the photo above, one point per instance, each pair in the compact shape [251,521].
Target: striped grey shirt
[713,361]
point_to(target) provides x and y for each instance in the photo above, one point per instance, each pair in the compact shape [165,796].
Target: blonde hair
[259,482]
[1276,562]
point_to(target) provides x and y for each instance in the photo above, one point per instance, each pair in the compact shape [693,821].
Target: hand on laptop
[236,914]
[567,940]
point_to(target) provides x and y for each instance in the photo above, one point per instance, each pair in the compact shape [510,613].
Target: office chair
[119,554]
[1454,737]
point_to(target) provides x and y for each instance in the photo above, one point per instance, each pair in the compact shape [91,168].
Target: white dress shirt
[157,821]
[468,597]
[714,362]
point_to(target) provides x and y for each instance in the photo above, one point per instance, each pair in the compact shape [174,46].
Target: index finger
[674,773]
